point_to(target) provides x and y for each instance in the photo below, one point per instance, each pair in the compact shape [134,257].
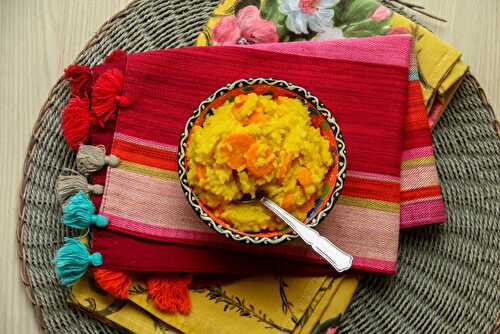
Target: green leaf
[270,11]
[324,125]
[239,4]
[367,27]
[352,11]
[323,327]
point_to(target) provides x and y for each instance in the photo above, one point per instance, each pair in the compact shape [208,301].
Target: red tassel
[79,79]
[170,293]
[116,283]
[76,122]
[122,101]
[106,90]
[115,55]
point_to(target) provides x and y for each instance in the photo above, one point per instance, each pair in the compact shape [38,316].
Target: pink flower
[398,31]
[331,330]
[381,13]
[245,28]
[309,7]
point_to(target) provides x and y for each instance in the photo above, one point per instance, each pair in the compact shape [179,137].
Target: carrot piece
[258,117]
[201,172]
[285,165]
[304,176]
[288,201]
[239,101]
[251,159]
[234,147]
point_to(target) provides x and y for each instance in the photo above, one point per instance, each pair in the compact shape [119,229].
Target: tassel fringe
[170,293]
[114,282]
[79,79]
[69,185]
[90,159]
[76,122]
[72,261]
[106,97]
[79,213]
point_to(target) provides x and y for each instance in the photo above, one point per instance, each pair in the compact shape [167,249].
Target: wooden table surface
[39,38]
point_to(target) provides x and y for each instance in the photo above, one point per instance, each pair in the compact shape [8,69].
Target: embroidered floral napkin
[262,304]
[266,21]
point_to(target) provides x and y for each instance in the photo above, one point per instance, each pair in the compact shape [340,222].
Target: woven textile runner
[366,91]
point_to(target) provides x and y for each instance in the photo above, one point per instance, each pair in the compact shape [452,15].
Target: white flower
[330,33]
[308,15]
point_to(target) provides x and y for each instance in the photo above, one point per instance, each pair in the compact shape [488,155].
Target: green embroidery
[234,303]
[137,289]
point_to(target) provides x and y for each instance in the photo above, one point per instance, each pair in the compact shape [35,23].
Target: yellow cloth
[439,63]
[261,304]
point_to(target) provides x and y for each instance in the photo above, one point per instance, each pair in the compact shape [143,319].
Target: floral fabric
[258,305]
[267,21]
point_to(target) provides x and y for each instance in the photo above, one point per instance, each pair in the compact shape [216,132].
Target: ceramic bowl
[321,118]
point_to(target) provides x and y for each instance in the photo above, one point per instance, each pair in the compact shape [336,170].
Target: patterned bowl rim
[193,199]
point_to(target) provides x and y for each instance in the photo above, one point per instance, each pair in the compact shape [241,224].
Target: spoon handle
[339,259]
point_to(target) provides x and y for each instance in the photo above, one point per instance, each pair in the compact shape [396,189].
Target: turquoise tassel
[79,213]
[72,261]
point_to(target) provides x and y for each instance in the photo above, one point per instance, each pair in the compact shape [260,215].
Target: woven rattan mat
[448,279]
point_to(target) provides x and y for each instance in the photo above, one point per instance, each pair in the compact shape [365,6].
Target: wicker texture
[448,277]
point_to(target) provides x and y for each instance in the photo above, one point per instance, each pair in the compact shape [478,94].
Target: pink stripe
[293,250]
[422,199]
[140,198]
[373,176]
[145,142]
[418,152]
[138,203]
[419,177]
[387,50]
[422,213]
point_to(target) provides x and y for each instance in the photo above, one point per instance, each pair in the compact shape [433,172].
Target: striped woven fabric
[363,81]
[421,199]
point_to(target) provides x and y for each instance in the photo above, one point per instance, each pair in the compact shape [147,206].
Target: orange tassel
[116,283]
[115,55]
[170,293]
[79,79]
[76,122]
[105,95]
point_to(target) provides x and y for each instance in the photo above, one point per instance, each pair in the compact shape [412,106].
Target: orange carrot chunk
[285,165]
[251,161]
[288,201]
[234,147]
[304,176]
[258,117]
[201,172]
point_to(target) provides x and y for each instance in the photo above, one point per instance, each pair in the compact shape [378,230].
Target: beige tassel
[90,159]
[68,185]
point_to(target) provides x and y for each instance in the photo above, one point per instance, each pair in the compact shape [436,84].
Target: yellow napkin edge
[114,312]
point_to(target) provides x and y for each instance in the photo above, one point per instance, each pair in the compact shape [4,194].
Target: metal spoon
[339,259]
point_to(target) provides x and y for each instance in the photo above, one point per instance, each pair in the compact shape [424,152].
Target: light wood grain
[39,38]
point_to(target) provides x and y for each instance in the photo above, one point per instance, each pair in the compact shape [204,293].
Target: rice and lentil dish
[258,143]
